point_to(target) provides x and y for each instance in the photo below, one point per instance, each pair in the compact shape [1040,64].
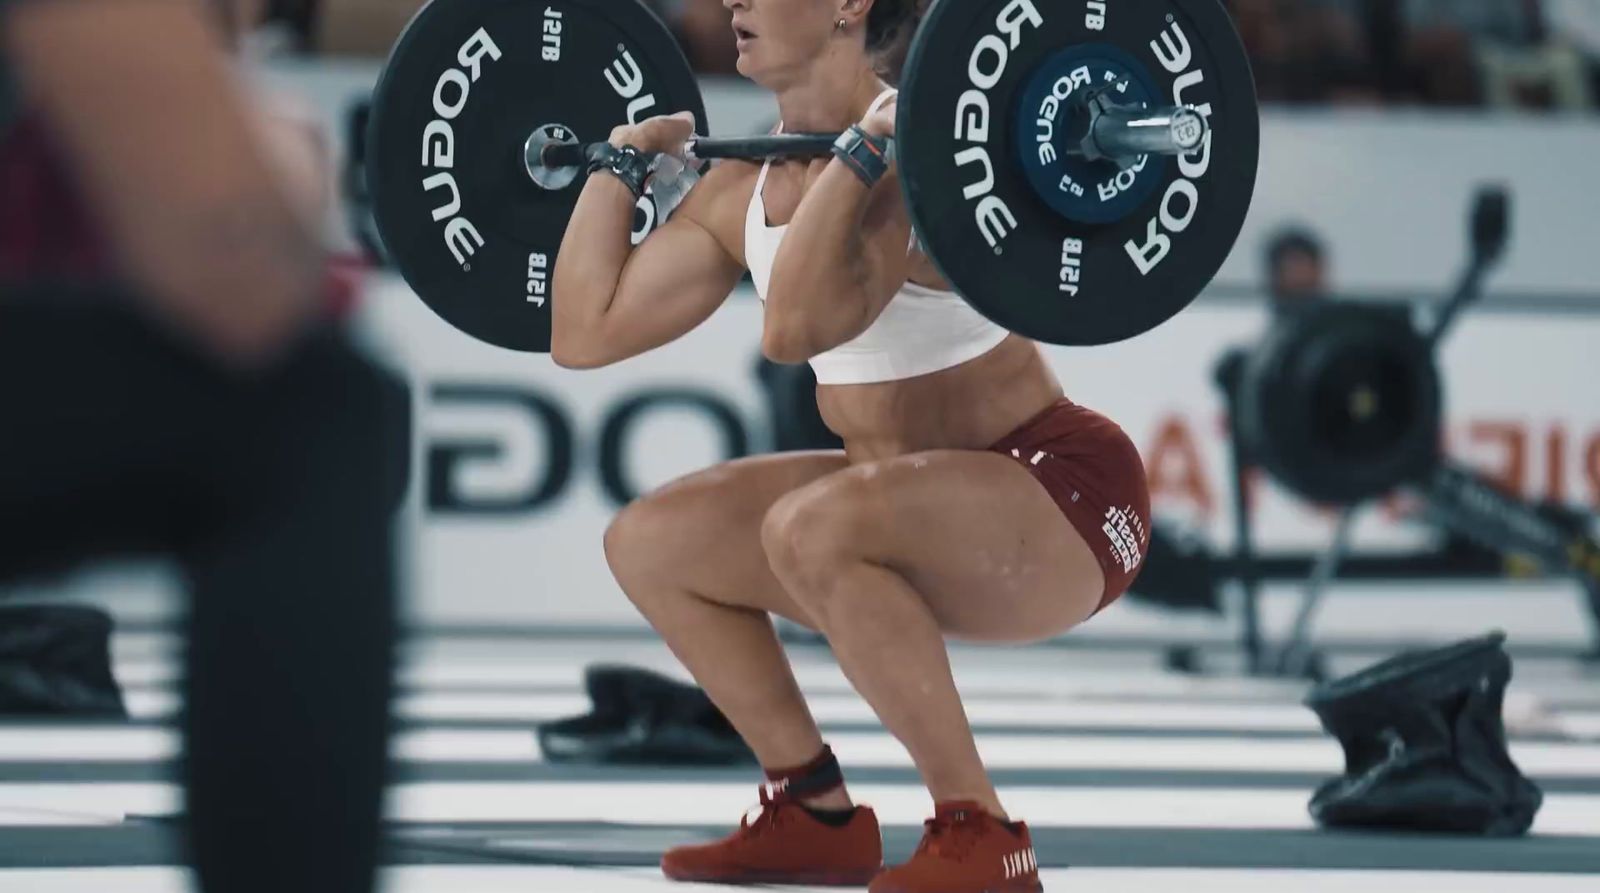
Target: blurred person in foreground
[173,383]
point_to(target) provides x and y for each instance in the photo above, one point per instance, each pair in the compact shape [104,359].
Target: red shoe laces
[951,835]
[773,799]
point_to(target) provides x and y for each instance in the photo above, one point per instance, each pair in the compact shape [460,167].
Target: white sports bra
[922,330]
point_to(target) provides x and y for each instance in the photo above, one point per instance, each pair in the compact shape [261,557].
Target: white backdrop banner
[521,464]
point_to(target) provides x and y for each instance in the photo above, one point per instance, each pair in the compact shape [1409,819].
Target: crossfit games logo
[450,94]
[985,68]
[1127,536]
[1173,51]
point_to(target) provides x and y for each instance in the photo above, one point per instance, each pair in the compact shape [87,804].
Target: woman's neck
[829,98]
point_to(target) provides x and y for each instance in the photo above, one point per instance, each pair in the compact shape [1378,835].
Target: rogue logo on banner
[449,456]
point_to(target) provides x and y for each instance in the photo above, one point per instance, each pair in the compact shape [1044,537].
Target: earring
[839,24]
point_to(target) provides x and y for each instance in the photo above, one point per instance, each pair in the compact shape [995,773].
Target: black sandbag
[642,718]
[55,660]
[1425,745]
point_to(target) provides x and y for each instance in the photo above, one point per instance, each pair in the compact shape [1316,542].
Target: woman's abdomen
[968,407]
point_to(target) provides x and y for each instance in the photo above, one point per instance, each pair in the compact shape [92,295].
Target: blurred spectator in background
[1557,67]
[1524,53]
[1462,53]
[1308,51]
[1297,268]
[1506,21]
[705,28]
[1437,44]
[1576,24]
[272,27]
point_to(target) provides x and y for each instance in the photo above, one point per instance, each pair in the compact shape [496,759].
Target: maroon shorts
[1092,470]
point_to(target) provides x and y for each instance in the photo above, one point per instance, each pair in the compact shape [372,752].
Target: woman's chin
[746,65]
[764,72]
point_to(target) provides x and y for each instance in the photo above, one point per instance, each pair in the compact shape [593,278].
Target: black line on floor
[129,772]
[595,845]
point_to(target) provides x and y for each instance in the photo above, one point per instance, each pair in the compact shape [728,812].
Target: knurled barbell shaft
[793,145]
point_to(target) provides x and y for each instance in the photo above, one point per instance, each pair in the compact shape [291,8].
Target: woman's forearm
[823,275]
[599,239]
[595,249]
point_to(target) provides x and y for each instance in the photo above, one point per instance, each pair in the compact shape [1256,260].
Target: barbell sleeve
[1126,132]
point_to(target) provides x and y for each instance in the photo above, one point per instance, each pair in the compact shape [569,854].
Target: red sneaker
[966,850]
[785,844]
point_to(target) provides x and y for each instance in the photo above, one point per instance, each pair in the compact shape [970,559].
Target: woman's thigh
[974,533]
[702,533]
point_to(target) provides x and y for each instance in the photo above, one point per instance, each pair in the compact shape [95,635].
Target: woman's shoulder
[733,174]
[722,193]
[718,203]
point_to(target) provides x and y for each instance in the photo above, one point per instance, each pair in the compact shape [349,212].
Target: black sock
[836,818]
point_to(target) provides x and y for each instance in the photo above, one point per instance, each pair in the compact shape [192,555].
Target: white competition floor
[1138,778]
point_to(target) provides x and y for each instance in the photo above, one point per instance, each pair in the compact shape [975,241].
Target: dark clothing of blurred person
[173,383]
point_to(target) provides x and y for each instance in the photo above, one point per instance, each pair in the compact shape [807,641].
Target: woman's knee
[810,534]
[631,541]
[657,533]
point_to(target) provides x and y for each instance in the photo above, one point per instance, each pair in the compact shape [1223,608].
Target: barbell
[1077,172]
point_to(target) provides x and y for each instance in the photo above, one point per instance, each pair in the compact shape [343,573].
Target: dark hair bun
[888,19]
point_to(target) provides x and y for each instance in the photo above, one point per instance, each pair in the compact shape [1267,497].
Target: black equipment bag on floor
[55,660]
[1425,745]
[642,718]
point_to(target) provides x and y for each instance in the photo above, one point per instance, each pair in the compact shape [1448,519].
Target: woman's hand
[665,134]
[881,122]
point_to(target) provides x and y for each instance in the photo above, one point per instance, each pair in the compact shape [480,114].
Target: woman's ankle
[988,803]
[818,783]
[836,800]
